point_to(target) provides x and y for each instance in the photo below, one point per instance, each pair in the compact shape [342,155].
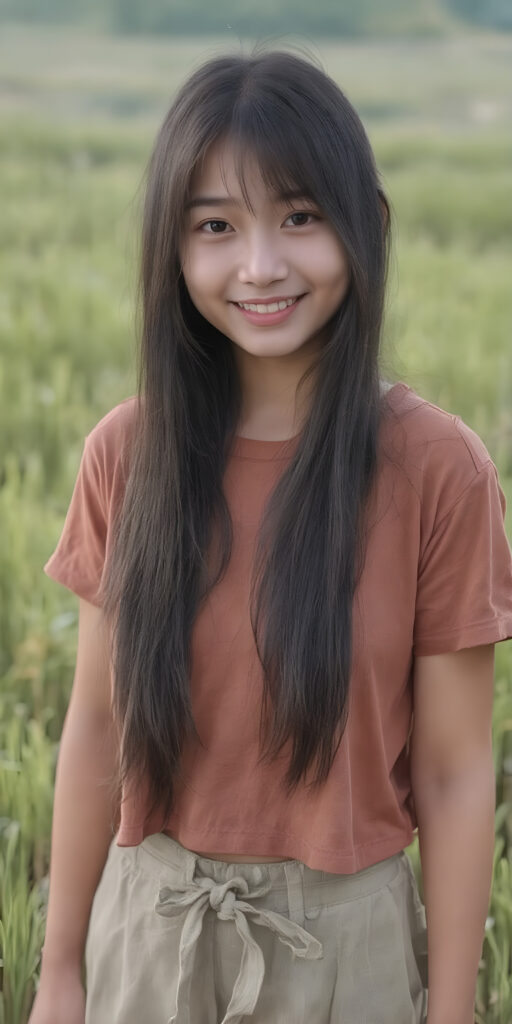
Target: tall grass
[70,205]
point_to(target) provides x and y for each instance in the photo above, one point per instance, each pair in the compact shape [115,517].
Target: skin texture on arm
[453,784]
[82,814]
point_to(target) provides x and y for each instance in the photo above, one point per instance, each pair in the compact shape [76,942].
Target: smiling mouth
[276,305]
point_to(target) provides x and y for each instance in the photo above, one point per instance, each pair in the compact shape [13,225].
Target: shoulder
[105,459]
[116,426]
[439,453]
[110,438]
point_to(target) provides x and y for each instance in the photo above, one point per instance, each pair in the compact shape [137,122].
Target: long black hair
[303,133]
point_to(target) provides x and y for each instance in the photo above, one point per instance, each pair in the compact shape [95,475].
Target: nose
[262,260]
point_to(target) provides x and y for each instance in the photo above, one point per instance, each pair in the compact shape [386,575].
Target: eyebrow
[231,201]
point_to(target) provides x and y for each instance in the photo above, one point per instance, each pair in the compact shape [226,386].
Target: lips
[268,301]
[268,319]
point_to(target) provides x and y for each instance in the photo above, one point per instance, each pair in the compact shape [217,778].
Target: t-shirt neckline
[255,448]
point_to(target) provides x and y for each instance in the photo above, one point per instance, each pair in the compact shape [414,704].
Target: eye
[217,227]
[216,224]
[302,213]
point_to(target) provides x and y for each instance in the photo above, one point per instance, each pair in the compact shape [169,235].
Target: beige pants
[179,939]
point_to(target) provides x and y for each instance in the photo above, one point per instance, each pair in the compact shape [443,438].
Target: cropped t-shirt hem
[319,859]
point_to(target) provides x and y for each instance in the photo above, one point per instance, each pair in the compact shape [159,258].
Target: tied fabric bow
[204,892]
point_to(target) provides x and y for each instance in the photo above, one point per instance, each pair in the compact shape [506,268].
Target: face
[282,252]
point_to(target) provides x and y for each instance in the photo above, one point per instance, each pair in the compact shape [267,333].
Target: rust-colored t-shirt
[437,578]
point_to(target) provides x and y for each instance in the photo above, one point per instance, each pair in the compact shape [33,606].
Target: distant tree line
[490,13]
[259,17]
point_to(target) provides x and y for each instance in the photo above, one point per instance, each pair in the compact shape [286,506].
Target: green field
[78,113]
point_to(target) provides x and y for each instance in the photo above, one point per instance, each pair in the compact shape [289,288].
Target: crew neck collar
[253,448]
[271,451]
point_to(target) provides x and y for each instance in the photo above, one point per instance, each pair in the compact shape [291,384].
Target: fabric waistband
[239,891]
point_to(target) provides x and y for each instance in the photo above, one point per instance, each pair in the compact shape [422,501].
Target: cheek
[330,263]
[332,270]
[203,275]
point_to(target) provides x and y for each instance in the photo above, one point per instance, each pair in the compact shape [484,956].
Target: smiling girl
[292,574]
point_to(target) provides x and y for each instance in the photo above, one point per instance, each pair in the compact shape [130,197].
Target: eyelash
[296,213]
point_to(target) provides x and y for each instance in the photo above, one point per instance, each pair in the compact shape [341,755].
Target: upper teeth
[271,308]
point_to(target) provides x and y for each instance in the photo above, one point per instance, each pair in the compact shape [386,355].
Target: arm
[81,830]
[453,785]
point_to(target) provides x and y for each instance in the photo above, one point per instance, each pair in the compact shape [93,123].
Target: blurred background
[83,89]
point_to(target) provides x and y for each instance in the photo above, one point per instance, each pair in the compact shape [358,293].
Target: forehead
[222,169]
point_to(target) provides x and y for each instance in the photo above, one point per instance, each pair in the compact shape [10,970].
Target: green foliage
[21,927]
[495,13]
[353,17]
[46,10]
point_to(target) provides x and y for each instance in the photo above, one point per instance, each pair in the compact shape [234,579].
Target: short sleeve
[464,585]
[79,557]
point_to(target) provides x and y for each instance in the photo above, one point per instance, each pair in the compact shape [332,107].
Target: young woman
[279,557]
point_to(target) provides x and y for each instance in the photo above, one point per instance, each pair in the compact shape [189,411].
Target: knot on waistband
[222,897]
[202,892]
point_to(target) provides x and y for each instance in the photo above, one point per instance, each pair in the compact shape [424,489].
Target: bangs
[280,156]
